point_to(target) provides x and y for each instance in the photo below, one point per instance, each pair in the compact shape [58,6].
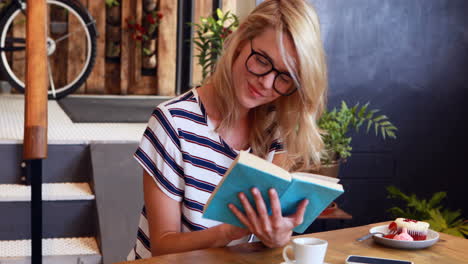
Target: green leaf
[386,123]
[391,134]
[381,117]
[363,110]
[219,13]
[369,124]
[436,199]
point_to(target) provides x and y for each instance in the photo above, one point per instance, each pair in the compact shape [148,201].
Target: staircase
[70,222]
[89,170]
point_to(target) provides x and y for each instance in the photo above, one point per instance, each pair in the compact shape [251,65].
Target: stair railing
[35,117]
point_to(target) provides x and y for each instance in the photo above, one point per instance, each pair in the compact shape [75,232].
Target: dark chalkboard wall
[408,58]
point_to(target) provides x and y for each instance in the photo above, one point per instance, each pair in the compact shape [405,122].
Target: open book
[249,171]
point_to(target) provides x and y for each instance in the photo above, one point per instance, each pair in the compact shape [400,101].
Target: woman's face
[252,90]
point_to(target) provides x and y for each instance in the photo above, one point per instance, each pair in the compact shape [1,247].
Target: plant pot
[112,50]
[330,170]
[149,62]
[149,5]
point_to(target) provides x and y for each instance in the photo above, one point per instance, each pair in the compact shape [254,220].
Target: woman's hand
[273,230]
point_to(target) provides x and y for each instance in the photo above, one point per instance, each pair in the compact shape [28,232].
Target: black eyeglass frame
[273,69]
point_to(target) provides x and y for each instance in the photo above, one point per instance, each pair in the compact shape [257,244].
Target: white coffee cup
[307,250]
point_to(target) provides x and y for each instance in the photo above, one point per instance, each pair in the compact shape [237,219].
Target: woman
[268,89]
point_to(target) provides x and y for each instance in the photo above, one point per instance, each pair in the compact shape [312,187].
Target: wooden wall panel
[76,55]
[96,80]
[135,85]
[122,75]
[230,5]
[127,61]
[167,43]
[76,45]
[58,62]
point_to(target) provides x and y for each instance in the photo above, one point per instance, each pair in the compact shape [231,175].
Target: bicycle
[68,21]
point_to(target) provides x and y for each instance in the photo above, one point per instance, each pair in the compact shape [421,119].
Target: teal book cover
[249,171]
[241,178]
[319,197]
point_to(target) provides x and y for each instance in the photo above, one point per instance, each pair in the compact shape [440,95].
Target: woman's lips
[254,91]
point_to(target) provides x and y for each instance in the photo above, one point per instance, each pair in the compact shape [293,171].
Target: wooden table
[341,243]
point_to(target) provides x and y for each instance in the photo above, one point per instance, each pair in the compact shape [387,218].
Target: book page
[263,165]
[317,176]
[318,179]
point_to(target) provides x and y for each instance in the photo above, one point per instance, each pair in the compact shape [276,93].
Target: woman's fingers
[275,204]
[244,220]
[249,211]
[298,216]
[262,211]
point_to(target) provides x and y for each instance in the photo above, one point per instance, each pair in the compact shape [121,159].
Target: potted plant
[337,125]
[209,38]
[431,211]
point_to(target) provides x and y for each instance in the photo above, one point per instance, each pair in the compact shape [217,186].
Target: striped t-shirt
[187,159]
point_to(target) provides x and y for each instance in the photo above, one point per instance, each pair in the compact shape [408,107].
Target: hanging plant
[146,31]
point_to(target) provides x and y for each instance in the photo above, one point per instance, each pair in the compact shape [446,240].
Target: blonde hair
[291,118]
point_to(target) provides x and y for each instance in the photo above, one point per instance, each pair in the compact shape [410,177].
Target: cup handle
[285,254]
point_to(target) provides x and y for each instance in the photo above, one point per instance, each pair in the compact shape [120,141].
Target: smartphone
[353,259]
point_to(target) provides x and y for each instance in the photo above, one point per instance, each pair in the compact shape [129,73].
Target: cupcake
[416,229]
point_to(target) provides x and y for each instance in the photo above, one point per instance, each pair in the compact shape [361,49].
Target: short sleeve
[160,155]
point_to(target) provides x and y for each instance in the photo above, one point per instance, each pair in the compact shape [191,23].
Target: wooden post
[167,43]
[35,121]
[127,60]
[96,81]
[35,115]
[75,53]
[135,53]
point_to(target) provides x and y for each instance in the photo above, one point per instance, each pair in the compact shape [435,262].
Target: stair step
[50,247]
[50,192]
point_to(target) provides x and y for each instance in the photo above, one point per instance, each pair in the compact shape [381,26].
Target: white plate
[432,238]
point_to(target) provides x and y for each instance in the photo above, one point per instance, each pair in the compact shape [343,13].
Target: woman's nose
[268,80]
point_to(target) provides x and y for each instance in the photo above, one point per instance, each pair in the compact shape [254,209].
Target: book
[248,171]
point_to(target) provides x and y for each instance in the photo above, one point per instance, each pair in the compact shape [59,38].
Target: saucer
[284,262]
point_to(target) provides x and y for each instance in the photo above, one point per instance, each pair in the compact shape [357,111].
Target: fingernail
[254,190]
[272,191]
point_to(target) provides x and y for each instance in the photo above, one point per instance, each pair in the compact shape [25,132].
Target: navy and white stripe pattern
[187,159]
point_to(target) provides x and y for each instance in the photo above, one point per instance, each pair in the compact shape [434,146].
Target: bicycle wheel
[71,46]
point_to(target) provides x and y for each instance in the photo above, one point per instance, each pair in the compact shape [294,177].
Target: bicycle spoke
[51,79]
[17,40]
[68,35]
[6,49]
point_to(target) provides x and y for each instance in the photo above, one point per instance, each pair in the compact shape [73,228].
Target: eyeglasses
[260,65]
